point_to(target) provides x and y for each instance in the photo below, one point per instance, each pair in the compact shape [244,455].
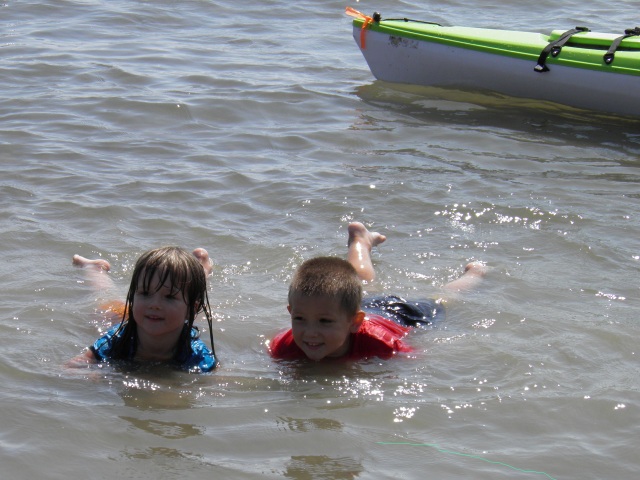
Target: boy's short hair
[328,276]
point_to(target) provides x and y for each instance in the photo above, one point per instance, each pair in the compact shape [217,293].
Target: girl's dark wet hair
[178,269]
[331,277]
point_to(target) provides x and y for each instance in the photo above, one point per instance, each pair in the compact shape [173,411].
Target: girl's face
[159,312]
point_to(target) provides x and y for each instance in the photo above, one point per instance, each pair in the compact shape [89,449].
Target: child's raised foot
[98,263]
[473,274]
[476,269]
[358,232]
[203,257]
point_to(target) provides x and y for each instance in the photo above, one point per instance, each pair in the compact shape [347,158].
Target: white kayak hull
[398,59]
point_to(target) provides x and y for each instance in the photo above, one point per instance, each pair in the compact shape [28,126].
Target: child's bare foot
[358,232]
[203,257]
[474,272]
[359,246]
[476,269]
[98,263]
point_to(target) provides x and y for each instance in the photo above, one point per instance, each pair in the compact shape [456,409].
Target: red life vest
[376,337]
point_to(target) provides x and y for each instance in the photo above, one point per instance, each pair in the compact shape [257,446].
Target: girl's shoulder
[200,358]
[101,348]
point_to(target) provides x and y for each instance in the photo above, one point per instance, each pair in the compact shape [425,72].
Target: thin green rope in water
[442,450]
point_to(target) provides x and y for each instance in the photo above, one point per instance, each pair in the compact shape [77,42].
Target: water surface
[257,132]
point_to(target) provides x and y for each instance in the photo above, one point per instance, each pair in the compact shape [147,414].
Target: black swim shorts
[404,312]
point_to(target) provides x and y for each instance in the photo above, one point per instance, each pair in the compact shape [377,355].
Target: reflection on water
[169,430]
[303,467]
[475,109]
[155,393]
[160,454]
[162,462]
[309,424]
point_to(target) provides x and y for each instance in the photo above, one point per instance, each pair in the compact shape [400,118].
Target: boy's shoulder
[375,322]
[379,337]
[282,346]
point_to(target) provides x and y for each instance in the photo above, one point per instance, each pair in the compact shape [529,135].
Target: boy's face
[320,327]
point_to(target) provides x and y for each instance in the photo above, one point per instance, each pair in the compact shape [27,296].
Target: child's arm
[84,359]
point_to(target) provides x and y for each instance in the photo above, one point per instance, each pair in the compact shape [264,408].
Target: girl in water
[168,290]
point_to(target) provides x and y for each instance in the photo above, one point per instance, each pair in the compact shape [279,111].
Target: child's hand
[83,360]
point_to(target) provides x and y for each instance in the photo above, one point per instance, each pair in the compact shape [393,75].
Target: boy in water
[328,318]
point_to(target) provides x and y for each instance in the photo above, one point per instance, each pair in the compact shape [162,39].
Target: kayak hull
[393,57]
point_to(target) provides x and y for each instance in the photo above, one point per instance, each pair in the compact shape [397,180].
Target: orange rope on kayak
[352,12]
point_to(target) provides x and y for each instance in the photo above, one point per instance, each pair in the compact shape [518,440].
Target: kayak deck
[583,50]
